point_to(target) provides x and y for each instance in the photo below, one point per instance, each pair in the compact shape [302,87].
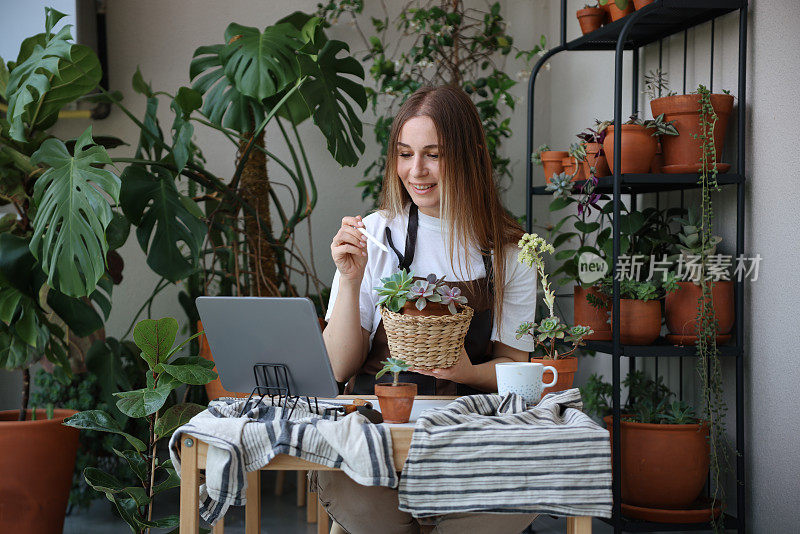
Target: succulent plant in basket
[394,291]
[395,398]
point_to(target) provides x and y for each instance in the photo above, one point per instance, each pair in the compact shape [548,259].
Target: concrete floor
[279,515]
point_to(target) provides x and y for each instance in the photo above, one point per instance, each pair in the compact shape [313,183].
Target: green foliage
[634,289]
[442,44]
[155,340]
[536,156]
[394,290]
[656,84]
[394,366]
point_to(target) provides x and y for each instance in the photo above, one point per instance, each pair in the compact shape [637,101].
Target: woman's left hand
[462,371]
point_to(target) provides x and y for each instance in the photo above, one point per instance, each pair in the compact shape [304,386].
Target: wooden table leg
[311,505]
[302,480]
[579,525]
[219,526]
[252,509]
[323,519]
[190,478]
[280,478]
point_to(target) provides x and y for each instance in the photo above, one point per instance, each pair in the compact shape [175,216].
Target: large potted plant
[639,143]
[396,398]
[682,153]
[664,449]
[426,321]
[551,333]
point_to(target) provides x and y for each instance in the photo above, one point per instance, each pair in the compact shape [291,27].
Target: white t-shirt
[432,256]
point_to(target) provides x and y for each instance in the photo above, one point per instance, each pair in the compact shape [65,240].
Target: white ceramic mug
[524,379]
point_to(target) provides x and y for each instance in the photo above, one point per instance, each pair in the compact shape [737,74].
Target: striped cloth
[239,444]
[485,453]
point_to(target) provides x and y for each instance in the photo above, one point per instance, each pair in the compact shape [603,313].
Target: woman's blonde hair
[469,202]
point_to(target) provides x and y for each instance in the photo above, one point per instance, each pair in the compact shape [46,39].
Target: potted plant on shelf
[639,143]
[617,9]
[591,17]
[425,320]
[664,449]
[639,308]
[552,161]
[551,332]
[573,163]
[639,4]
[395,399]
[595,162]
[682,153]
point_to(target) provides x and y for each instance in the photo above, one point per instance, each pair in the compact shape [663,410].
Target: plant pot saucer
[692,168]
[698,512]
[679,339]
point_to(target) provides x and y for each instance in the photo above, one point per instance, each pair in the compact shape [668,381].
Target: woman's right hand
[349,249]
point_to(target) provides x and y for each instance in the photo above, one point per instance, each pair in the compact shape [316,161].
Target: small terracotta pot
[570,164]
[685,149]
[600,163]
[640,321]
[681,310]
[616,13]
[590,18]
[552,163]
[396,401]
[587,315]
[638,148]
[431,309]
[214,389]
[565,367]
[37,464]
[663,466]
[639,4]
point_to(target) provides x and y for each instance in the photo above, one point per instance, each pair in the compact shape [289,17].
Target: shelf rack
[645,26]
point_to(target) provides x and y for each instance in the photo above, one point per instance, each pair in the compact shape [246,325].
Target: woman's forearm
[484,376]
[343,336]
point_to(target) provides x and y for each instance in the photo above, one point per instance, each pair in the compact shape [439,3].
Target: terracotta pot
[600,163]
[569,167]
[396,401]
[616,13]
[684,149]
[663,466]
[587,315]
[432,309]
[657,165]
[590,19]
[638,148]
[640,321]
[565,367]
[214,389]
[681,310]
[552,163]
[37,465]
[639,4]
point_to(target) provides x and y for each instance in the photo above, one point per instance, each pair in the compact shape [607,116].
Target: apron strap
[404,260]
[487,263]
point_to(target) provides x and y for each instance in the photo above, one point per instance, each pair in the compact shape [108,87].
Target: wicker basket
[426,342]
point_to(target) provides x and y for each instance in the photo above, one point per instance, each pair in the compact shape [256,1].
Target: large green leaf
[136,462]
[145,401]
[104,360]
[18,267]
[261,64]
[30,79]
[185,102]
[72,214]
[174,417]
[169,233]
[79,314]
[155,338]
[191,370]
[102,422]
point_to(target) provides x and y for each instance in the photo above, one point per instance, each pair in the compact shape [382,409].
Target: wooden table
[193,459]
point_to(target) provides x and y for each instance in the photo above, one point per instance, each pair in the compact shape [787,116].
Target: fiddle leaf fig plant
[165,372]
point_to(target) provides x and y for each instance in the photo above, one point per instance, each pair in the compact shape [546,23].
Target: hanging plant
[708,364]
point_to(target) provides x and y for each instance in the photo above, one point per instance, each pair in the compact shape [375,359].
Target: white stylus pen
[373,239]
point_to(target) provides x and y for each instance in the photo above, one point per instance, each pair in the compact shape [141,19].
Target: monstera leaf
[166,221]
[30,79]
[72,214]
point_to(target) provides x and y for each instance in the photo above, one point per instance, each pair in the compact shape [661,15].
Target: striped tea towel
[239,444]
[486,453]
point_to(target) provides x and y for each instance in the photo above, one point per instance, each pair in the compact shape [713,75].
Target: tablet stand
[272,380]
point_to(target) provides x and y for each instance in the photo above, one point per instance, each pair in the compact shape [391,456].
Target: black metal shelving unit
[645,26]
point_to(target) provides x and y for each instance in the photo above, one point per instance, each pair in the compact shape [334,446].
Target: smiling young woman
[440,213]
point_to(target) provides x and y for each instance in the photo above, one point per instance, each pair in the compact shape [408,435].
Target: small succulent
[450,296]
[577,151]
[424,291]
[577,333]
[394,366]
[551,328]
[394,291]
[560,185]
[690,236]
[536,157]
[679,413]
